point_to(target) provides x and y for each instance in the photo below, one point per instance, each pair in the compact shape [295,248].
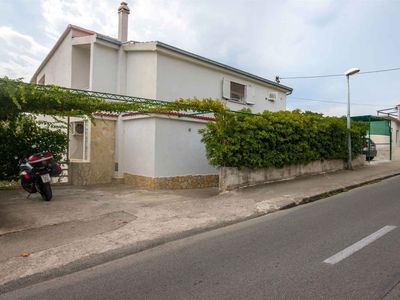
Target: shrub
[276,139]
[19,134]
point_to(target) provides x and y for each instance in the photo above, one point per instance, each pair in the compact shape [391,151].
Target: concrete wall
[179,150]
[104,69]
[156,146]
[100,168]
[383,146]
[162,152]
[138,147]
[179,78]
[58,69]
[233,178]
[141,74]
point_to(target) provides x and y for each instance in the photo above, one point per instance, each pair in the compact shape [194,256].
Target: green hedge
[19,134]
[276,139]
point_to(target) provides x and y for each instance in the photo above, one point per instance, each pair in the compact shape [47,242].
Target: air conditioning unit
[272,96]
[77,128]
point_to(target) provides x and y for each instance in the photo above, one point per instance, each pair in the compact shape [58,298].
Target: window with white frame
[79,139]
[238,92]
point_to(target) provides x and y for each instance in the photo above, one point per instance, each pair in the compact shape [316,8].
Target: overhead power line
[332,101]
[313,76]
[335,75]
[379,71]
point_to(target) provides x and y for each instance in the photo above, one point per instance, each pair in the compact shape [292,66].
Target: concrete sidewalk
[85,226]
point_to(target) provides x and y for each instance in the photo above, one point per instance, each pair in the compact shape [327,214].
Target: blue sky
[267,38]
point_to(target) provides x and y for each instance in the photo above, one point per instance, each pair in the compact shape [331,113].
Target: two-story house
[149,150]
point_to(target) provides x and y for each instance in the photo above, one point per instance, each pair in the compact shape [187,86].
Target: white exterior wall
[80,67]
[382,147]
[157,146]
[58,69]
[104,68]
[395,140]
[178,78]
[179,150]
[141,74]
[138,147]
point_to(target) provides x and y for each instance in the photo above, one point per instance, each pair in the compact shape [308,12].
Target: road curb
[97,259]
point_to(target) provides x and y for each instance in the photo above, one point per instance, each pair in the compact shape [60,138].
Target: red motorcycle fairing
[27,182]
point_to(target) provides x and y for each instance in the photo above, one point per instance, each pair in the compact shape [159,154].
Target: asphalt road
[343,247]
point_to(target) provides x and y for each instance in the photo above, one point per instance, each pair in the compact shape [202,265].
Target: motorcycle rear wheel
[46,191]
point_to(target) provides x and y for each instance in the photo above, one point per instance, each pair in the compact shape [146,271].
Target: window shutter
[250,94]
[226,89]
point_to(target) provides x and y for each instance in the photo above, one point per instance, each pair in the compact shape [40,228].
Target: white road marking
[359,245]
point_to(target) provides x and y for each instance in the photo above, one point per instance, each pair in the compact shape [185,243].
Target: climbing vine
[18,97]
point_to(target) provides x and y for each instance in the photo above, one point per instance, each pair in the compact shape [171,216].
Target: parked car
[371,152]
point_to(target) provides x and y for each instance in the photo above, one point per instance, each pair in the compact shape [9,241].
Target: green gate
[377,126]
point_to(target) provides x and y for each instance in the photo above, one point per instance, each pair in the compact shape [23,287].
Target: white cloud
[20,54]
[15,40]
[91,14]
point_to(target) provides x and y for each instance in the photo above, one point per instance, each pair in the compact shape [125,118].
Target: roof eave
[108,39]
[50,54]
[55,47]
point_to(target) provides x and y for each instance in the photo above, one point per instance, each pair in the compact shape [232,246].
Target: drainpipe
[390,133]
[119,152]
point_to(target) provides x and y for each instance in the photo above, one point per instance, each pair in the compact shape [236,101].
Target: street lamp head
[352,71]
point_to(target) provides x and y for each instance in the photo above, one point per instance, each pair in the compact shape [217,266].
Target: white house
[150,150]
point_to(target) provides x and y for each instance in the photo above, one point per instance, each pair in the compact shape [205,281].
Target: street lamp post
[348,74]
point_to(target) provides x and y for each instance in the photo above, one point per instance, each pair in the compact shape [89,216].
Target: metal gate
[379,134]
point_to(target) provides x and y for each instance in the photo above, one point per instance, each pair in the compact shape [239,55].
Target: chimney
[398,111]
[123,12]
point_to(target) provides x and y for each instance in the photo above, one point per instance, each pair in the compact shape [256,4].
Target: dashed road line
[359,245]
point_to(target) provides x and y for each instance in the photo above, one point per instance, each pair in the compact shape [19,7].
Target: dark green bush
[19,134]
[276,139]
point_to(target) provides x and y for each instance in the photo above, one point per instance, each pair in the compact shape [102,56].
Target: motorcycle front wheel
[28,186]
[46,191]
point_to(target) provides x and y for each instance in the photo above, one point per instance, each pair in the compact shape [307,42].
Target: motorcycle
[35,172]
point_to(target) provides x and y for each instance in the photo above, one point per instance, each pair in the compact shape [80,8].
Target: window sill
[240,102]
[79,161]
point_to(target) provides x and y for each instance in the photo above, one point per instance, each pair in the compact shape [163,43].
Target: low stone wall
[85,173]
[176,182]
[233,178]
